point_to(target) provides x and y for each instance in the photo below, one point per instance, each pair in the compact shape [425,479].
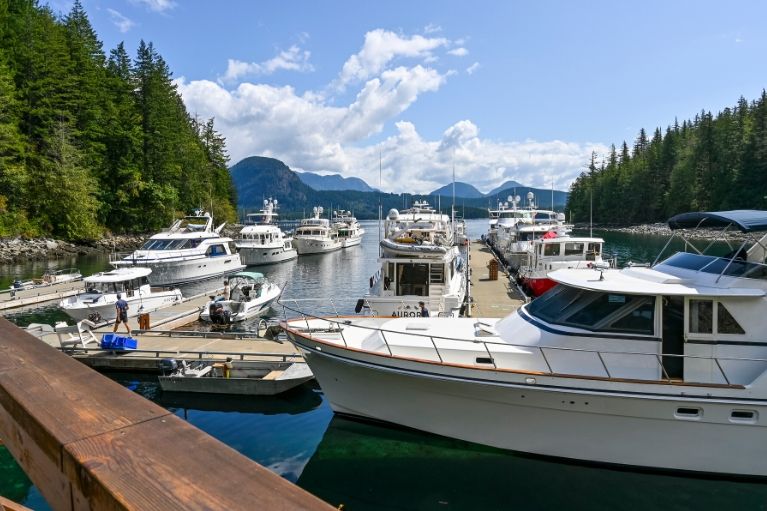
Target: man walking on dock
[121,307]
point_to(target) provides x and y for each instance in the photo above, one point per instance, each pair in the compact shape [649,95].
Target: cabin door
[673,335]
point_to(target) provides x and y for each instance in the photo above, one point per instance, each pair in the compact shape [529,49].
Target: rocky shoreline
[18,249]
[662,229]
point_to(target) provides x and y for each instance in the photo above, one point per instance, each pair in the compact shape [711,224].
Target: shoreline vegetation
[17,249]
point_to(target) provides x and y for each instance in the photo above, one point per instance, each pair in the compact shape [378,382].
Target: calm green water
[367,466]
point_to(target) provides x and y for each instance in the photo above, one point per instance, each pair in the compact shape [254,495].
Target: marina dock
[30,298]
[491,298]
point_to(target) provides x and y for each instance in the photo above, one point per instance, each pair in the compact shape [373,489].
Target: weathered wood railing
[88,443]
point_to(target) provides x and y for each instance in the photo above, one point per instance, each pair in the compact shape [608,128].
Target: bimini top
[746,220]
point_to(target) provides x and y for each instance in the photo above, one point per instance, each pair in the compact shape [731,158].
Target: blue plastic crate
[107,340]
[118,342]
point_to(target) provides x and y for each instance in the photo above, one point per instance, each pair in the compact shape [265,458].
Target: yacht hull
[351,241]
[255,256]
[551,420]
[306,246]
[85,309]
[180,271]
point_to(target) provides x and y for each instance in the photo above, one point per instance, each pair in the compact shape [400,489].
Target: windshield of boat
[595,310]
[726,265]
[177,244]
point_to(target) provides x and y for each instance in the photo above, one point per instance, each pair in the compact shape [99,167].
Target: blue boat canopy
[746,220]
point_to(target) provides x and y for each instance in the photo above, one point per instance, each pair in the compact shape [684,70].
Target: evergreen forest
[91,142]
[711,163]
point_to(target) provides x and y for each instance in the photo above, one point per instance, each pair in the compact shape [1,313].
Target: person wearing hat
[424,310]
[121,308]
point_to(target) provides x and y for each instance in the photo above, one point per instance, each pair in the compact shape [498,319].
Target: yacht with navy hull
[660,367]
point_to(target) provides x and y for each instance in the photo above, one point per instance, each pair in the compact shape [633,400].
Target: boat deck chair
[84,335]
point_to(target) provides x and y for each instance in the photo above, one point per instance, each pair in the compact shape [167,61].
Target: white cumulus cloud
[472,68]
[122,23]
[292,59]
[308,131]
[156,5]
[380,48]
[459,52]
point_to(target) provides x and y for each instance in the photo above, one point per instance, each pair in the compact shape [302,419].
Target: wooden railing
[88,443]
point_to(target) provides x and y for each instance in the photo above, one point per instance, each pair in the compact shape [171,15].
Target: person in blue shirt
[121,308]
[424,310]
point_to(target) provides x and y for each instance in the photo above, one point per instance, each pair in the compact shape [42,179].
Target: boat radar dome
[393,214]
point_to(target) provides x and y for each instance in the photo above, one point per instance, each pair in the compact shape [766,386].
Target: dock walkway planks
[491,298]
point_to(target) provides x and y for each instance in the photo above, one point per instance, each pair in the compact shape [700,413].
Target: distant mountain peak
[334,182]
[464,190]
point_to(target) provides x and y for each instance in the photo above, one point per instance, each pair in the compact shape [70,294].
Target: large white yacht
[348,228]
[97,301]
[315,235]
[419,263]
[191,249]
[263,242]
[660,367]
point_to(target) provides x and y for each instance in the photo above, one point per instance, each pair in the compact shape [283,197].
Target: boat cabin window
[216,250]
[551,249]
[725,323]
[597,311]
[704,314]
[572,248]
[594,249]
[412,279]
[437,274]
[701,316]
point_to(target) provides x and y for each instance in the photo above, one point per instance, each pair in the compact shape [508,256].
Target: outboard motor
[168,365]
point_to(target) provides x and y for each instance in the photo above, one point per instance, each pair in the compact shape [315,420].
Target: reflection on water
[280,432]
[372,467]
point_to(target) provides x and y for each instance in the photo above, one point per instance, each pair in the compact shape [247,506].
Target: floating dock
[491,298]
[30,298]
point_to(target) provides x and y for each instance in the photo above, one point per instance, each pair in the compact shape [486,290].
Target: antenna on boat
[591,212]
[452,207]
[380,206]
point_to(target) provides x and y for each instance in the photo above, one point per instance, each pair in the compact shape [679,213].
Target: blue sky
[497,89]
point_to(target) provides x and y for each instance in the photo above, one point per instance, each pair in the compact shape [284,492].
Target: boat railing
[128,257]
[489,347]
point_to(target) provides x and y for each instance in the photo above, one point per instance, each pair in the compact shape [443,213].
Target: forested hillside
[91,142]
[710,163]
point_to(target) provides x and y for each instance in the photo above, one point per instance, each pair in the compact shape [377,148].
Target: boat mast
[452,208]
[380,206]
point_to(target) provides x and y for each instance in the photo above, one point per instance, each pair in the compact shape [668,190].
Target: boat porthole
[744,416]
[688,413]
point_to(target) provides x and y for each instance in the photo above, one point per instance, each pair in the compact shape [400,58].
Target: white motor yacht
[263,242]
[348,228]
[659,367]
[315,235]
[251,294]
[419,263]
[191,249]
[97,302]
[554,252]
